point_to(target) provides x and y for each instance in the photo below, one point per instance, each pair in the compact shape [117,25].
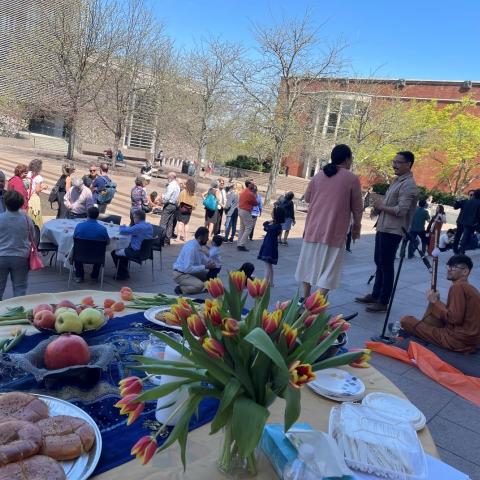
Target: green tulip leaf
[232,389]
[193,374]
[161,390]
[343,359]
[248,422]
[292,407]
[320,349]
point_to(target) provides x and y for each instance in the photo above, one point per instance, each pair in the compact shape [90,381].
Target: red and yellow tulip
[290,335]
[196,325]
[145,449]
[180,312]
[300,374]
[257,287]
[362,361]
[128,405]
[230,327]
[338,321]
[271,321]
[238,280]
[130,385]
[282,305]
[212,312]
[171,319]
[316,303]
[215,287]
[213,347]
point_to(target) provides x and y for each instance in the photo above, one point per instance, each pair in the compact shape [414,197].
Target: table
[203,449]
[60,232]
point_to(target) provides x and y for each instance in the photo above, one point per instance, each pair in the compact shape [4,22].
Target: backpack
[108,192]
[210,202]
[60,186]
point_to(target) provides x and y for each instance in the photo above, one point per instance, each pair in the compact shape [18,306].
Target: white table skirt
[60,232]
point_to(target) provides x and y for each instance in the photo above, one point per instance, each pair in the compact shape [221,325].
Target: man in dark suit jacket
[467,221]
[2,191]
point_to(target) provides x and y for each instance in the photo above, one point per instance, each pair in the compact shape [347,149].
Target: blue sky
[422,39]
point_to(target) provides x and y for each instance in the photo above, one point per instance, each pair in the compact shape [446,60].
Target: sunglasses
[92,171]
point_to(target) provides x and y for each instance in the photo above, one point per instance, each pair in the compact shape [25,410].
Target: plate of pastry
[156,315]
[55,440]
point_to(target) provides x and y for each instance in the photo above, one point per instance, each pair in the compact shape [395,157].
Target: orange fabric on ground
[464,385]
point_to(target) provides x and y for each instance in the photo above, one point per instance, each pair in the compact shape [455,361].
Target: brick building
[337,99]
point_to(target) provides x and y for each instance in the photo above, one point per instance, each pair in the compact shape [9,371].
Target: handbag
[185,208]
[34,259]
[210,202]
[146,208]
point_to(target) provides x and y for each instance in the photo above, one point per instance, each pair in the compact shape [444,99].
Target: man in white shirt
[446,240]
[169,200]
[191,266]
[78,199]
[221,206]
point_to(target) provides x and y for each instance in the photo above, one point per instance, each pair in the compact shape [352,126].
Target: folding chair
[88,252]
[158,241]
[116,219]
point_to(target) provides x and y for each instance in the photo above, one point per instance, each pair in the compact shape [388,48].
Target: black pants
[218,224]
[102,207]
[167,220]
[348,242]
[72,215]
[231,225]
[386,245]
[468,232]
[62,209]
[213,273]
[80,272]
[123,261]
[412,246]
[253,227]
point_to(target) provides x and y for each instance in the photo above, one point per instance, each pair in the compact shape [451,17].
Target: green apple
[68,322]
[91,318]
[61,310]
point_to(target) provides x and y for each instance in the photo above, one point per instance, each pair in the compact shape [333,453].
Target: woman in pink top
[17,183]
[334,196]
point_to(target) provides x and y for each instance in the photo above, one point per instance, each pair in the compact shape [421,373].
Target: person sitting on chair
[140,231]
[190,267]
[78,199]
[454,326]
[90,230]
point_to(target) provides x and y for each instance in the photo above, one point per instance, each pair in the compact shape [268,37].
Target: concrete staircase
[46,143]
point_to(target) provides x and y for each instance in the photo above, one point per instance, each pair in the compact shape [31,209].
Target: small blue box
[276,446]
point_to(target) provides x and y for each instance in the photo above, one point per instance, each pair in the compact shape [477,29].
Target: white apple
[91,318]
[68,322]
[61,310]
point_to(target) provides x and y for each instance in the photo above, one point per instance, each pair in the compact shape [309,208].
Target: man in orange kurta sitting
[456,325]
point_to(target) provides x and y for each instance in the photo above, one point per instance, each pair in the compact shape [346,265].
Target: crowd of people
[333,221]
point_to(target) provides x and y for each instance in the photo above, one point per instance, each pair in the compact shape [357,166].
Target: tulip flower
[270,321]
[309,320]
[215,287]
[130,385]
[170,319]
[196,325]
[362,361]
[316,303]
[212,312]
[145,449]
[180,312]
[290,335]
[256,288]
[338,321]
[238,279]
[130,406]
[213,347]
[183,302]
[230,327]
[282,305]
[300,374]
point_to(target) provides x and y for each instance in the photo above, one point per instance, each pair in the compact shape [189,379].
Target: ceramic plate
[396,406]
[338,383]
[150,316]
[83,467]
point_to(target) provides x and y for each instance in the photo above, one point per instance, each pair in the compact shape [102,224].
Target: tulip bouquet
[244,361]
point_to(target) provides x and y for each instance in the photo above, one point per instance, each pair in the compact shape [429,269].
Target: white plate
[339,383]
[348,398]
[396,406]
[150,316]
[83,467]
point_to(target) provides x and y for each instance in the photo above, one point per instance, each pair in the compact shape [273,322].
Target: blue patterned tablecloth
[98,397]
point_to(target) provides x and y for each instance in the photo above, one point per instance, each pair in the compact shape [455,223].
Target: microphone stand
[383,338]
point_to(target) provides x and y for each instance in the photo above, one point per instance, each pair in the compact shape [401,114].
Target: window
[332,122]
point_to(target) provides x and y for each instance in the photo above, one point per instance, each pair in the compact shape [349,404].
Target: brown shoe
[368,299]
[377,307]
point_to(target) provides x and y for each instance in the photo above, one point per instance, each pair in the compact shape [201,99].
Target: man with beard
[190,267]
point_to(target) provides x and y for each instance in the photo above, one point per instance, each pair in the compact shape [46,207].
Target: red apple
[66,351]
[44,319]
[88,301]
[41,307]
[66,303]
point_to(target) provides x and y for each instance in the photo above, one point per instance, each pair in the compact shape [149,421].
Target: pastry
[22,406]
[65,437]
[18,440]
[37,467]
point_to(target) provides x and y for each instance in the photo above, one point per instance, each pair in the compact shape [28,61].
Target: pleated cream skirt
[320,265]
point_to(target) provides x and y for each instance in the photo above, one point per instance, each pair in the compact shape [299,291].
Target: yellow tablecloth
[203,449]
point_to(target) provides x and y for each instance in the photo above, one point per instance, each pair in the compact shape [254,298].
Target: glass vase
[231,463]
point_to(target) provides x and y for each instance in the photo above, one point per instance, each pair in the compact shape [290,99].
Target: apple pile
[66,317]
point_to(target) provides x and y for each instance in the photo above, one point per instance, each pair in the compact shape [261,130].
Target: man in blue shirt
[98,186]
[140,231]
[90,230]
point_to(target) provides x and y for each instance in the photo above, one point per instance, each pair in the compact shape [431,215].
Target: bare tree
[203,101]
[66,64]
[292,57]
